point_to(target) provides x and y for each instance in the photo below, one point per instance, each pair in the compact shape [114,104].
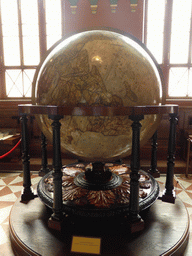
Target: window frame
[42,46]
[166,65]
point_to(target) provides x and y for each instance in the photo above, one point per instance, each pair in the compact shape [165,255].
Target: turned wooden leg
[44,168]
[169,193]
[56,219]
[27,193]
[137,223]
[153,170]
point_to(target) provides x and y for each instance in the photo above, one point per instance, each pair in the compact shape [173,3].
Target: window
[168,32]
[28,29]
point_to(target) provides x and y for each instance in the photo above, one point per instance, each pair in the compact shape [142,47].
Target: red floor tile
[5,191]
[9,179]
[5,204]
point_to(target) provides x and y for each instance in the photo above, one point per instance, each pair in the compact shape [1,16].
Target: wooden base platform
[166,232]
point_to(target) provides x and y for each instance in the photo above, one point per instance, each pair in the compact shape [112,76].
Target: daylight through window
[28,29]
[168,37]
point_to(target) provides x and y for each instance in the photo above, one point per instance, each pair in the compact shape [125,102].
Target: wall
[123,19]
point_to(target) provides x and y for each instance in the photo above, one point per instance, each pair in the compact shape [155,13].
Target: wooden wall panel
[123,19]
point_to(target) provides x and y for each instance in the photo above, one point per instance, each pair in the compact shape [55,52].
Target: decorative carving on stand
[114,195]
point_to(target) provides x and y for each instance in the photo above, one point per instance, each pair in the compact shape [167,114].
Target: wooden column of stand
[169,193]
[189,141]
[27,193]
[56,219]
[136,223]
[153,170]
[44,168]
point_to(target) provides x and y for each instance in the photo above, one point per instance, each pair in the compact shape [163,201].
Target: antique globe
[98,68]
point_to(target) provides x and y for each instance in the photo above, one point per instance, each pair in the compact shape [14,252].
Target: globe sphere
[98,68]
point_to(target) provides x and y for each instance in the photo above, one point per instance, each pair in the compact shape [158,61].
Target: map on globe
[98,68]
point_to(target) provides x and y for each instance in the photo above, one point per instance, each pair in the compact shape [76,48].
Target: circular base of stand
[85,199]
[166,232]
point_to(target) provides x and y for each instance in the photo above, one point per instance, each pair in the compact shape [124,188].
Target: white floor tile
[34,181]
[16,180]
[8,198]
[184,197]
[3,237]
[2,183]
[184,184]
[15,189]
[4,213]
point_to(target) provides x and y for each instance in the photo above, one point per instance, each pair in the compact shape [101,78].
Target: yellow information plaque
[86,245]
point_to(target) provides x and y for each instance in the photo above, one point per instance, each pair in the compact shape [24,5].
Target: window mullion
[166,44]
[167,31]
[42,28]
[20,33]
[21,42]
[145,22]
[63,17]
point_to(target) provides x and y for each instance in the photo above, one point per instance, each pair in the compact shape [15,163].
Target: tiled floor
[10,190]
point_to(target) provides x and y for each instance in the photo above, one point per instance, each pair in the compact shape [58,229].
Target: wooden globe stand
[136,114]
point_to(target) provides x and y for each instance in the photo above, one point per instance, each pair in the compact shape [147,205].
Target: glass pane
[14,86]
[9,14]
[179,48]
[11,51]
[10,30]
[31,50]
[155,46]
[28,75]
[29,12]
[30,29]
[53,21]
[180,31]
[178,82]
[155,28]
